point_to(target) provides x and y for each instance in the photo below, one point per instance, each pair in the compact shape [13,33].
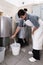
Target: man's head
[22,14]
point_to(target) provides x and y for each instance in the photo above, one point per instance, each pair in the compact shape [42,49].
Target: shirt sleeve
[28,23]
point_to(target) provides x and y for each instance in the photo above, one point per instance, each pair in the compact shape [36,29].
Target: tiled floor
[21,59]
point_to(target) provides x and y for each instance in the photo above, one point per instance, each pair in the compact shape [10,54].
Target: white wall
[7,8]
[38,10]
[29,8]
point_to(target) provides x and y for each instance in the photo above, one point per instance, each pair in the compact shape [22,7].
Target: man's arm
[17,30]
[40,22]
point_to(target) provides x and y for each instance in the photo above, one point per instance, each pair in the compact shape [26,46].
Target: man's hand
[12,37]
[34,30]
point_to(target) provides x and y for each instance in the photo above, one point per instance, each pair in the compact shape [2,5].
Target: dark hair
[21,12]
[25,9]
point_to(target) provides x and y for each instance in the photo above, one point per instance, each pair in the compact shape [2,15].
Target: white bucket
[2,54]
[15,48]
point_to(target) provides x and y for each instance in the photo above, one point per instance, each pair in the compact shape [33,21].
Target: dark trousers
[36,54]
[22,42]
[1,41]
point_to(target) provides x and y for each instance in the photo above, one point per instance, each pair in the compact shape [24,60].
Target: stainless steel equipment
[5,29]
[5,26]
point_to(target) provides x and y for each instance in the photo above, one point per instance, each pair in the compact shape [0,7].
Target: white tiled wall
[38,10]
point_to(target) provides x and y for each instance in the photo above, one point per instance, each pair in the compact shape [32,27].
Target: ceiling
[20,3]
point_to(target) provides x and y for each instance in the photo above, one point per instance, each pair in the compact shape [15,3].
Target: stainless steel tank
[5,29]
[5,26]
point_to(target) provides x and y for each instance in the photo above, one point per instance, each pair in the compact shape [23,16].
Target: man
[20,31]
[36,33]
